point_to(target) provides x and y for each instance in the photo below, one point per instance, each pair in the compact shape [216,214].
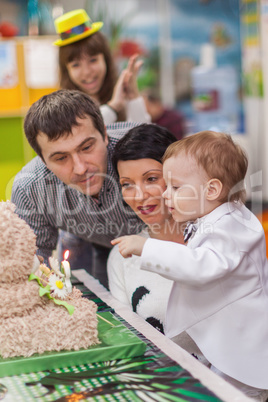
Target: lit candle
[67,271]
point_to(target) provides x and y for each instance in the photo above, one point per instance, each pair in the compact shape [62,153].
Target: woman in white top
[137,159]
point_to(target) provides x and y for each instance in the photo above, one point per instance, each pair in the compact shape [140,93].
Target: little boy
[220,291]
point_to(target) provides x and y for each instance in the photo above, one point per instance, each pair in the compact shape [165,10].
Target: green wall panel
[8,172]
[11,140]
[15,152]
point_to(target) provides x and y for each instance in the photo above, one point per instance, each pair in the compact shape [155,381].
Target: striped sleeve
[27,209]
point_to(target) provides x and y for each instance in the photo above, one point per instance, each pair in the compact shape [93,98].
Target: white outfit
[147,293]
[135,109]
[220,291]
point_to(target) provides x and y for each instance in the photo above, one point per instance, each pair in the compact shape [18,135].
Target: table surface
[217,385]
[165,372]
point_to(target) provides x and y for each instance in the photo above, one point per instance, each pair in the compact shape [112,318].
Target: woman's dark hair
[90,46]
[56,114]
[147,141]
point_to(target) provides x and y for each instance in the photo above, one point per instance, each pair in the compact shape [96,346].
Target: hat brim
[96,26]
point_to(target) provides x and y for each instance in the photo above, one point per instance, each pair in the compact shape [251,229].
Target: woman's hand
[126,87]
[129,245]
[130,84]
[118,100]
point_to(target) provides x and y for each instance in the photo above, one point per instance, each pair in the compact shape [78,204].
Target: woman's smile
[90,84]
[147,209]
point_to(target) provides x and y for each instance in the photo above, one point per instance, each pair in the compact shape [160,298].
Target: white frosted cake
[39,309]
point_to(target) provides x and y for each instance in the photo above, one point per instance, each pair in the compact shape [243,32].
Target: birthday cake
[39,309]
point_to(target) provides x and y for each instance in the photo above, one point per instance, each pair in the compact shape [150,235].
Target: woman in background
[86,63]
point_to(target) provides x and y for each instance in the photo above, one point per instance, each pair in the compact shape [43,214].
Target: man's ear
[106,138]
[214,189]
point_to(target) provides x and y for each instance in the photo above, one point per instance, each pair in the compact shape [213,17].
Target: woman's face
[142,188]
[88,73]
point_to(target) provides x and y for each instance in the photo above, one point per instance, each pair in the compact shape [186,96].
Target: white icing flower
[55,266]
[57,287]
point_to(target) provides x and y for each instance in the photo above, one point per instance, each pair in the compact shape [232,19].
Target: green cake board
[117,342]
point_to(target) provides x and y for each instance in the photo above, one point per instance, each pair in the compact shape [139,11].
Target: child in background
[86,63]
[220,291]
[164,116]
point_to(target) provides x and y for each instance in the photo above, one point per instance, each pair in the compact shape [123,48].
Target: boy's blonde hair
[220,157]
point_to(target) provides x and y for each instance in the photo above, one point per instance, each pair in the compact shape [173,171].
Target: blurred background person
[169,118]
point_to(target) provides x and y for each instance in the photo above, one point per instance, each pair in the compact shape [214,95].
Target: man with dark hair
[71,185]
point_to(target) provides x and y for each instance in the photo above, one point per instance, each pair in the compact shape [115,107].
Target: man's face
[79,158]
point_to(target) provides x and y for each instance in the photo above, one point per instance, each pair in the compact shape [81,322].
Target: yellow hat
[74,26]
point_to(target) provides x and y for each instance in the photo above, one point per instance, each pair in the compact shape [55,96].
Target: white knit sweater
[146,293]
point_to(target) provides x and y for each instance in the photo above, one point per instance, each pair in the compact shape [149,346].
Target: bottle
[33,17]
[215,94]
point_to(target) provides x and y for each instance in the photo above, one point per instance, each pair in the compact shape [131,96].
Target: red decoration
[8,30]
[128,47]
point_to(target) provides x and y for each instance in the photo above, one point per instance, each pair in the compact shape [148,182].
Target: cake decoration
[67,271]
[54,283]
[54,263]
[40,310]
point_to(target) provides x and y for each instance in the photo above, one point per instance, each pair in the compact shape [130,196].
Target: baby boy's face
[186,188]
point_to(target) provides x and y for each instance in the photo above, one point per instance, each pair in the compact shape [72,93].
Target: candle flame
[66,254]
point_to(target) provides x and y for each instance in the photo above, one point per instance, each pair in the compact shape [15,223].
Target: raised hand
[126,87]
[118,100]
[130,82]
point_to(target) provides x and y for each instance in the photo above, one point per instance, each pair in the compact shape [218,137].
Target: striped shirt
[47,204]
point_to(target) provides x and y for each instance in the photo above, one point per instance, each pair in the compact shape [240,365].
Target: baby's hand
[129,245]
